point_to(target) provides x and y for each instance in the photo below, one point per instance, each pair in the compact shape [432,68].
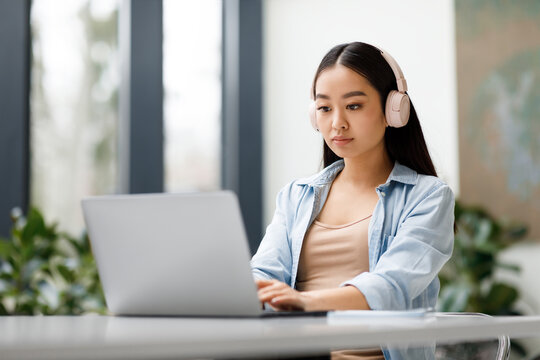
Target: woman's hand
[280,296]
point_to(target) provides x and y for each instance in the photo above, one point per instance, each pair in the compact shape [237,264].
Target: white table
[106,337]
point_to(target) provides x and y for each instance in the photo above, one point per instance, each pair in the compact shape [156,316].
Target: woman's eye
[354,106]
[323,108]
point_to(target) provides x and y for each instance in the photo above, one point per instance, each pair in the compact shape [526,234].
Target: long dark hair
[405,144]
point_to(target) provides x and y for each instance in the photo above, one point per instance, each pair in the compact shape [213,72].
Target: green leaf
[48,294]
[30,268]
[7,277]
[511,267]
[484,228]
[479,265]
[455,297]
[67,274]
[517,232]
[35,226]
[6,249]
[488,247]
[27,308]
[3,310]
[500,298]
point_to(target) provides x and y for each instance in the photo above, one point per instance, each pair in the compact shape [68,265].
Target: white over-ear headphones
[398,105]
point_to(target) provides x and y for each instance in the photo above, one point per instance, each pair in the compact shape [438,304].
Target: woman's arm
[273,259]
[281,296]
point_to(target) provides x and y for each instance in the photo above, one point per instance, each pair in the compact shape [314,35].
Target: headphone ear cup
[397,110]
[313,115]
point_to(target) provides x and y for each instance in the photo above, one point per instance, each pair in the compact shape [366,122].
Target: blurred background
[137,96]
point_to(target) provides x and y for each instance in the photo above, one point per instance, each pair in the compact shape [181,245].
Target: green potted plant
[46,271]
[468,283]
[467,280]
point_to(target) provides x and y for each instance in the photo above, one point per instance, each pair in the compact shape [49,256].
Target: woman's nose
[339,121]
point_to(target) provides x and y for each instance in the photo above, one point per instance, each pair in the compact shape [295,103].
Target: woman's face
[349,113]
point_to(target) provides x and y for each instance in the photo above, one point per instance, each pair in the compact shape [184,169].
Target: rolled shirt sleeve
[414,256]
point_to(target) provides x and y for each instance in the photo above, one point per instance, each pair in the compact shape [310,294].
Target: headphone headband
[400,79]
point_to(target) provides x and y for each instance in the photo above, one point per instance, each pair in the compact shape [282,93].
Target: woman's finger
[269,295]
[261,283]
[275,286]
[281,293]
[289,302]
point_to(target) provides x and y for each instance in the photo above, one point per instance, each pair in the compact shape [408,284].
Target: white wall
[297,33]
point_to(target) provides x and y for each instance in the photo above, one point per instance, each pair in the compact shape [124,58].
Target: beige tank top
[332,254]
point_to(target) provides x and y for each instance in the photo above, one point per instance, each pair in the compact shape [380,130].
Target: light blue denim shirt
[410,236]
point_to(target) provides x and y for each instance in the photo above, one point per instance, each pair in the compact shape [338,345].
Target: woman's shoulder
[422,185]
[414,193]
[430,182]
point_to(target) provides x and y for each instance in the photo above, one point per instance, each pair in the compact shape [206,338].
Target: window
[74,101]
[192,103]
[73,105]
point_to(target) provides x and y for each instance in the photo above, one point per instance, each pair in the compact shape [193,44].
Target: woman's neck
[368,171]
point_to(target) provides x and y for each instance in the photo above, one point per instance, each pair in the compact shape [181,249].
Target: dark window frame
[14,109]
[242,123]
[140,131]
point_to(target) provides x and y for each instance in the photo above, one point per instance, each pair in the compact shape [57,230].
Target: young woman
[375,226]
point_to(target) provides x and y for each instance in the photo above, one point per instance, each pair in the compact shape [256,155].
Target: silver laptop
[172,254]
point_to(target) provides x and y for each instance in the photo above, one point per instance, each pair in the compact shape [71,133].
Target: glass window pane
[192,103]
[74,93]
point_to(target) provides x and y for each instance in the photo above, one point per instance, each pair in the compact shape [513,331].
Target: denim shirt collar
[400,173]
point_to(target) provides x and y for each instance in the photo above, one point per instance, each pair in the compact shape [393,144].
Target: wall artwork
[498,69]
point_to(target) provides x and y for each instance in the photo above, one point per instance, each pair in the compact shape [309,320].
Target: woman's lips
[341,141]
